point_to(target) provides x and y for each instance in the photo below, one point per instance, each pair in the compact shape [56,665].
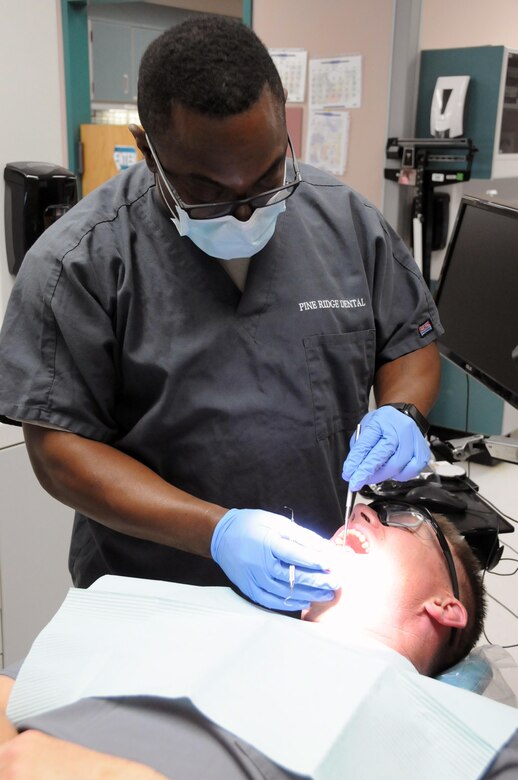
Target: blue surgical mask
[227,237]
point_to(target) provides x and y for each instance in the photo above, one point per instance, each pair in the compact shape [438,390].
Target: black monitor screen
[477,295]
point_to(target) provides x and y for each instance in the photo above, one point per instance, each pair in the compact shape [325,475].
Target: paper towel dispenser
[36,195]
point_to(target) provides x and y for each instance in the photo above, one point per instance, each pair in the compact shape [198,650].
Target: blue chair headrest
[474,673]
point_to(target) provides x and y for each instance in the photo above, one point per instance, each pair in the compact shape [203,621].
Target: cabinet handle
[125,83]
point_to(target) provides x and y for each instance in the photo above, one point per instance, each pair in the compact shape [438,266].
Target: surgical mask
[227,237]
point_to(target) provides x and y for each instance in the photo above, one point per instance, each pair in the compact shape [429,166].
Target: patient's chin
[318,609]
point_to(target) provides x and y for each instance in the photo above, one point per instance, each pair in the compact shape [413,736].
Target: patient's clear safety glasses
[402,515]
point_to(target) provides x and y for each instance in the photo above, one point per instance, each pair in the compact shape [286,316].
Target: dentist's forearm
[413,378]
[119,491]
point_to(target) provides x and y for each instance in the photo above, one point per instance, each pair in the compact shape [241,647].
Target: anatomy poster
[328,140]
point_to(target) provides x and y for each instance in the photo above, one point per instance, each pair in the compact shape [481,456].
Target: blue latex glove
[390,446]
[255,549]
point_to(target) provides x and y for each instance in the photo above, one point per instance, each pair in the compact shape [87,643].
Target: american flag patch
[425,327]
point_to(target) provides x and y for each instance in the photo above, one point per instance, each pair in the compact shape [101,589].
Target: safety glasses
[224,208]
[402,515]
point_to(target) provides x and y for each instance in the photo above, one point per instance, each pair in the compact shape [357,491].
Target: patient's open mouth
[357,541]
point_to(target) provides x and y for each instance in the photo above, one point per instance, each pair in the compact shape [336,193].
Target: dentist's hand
[390,446]
[255,550]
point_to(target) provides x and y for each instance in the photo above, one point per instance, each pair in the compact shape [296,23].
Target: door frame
[74,19]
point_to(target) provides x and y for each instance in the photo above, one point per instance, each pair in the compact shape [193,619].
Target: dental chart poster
[292,65]
[328,140]
[336,82]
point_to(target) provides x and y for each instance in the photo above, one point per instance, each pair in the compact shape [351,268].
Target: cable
[490,503]
[481,512]
[506,647]
[498,574]
[495,508]
[501,573]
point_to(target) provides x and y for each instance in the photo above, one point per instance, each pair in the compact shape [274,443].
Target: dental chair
[484,671]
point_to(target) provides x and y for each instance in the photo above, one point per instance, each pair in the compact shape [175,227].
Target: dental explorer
[349,501]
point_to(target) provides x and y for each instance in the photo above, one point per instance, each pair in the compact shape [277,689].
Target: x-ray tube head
[447,113]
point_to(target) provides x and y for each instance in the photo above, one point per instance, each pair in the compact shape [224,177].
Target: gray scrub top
[173,738]
[169,735]
[121,331]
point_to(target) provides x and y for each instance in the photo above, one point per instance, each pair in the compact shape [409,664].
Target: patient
[400,587]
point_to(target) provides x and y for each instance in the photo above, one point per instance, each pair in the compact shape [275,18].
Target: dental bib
[310,703]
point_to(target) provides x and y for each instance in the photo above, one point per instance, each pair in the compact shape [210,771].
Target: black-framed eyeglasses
[399,514]
[225,208]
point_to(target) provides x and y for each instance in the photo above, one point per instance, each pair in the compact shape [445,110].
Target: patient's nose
[365,513]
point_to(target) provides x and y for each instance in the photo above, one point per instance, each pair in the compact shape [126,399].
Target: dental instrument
[349,501]
[291,570]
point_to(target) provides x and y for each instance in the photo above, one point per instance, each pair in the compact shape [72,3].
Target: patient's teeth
[357,541]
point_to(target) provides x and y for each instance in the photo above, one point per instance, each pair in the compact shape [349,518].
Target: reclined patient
[424,600]
[410,584]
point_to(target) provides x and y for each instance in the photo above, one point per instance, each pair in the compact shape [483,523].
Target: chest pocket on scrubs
[341,371]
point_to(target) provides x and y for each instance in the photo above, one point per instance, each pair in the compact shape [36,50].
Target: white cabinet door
[34,539]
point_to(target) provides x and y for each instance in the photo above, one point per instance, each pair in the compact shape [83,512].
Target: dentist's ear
[140,139]
[448,611]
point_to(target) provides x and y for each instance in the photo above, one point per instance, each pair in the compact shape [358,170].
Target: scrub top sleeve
[404,310]
[12,669]
[58,353]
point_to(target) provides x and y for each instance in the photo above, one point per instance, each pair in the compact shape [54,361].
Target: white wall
[31,96]
[340,27]
[34,539]
[447,24]
[227,7]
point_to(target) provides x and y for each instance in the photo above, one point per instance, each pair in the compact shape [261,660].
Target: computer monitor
[477,295]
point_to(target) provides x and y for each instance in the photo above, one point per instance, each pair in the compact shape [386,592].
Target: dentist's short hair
[211,64]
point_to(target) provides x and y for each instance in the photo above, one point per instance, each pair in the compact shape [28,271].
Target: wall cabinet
[491,116]
[115,53]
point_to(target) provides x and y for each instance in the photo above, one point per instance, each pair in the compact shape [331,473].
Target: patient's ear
[448,611]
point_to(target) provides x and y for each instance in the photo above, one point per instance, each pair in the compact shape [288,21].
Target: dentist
[191,347]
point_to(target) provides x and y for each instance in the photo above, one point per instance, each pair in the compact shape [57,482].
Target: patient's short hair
[472,595]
